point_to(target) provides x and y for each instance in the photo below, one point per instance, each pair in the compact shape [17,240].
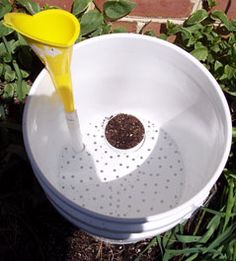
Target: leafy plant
[14,54]
[211,38]
[97,22]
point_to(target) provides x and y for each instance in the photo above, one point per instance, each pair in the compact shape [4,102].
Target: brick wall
[155,13]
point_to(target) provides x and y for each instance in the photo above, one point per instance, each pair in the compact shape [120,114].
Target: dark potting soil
[124,131]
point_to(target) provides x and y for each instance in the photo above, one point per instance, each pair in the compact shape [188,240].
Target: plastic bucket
[187,136]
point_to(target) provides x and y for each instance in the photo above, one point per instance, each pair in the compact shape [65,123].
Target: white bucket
[135,193]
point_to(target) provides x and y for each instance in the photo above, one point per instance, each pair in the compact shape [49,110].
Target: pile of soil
[124,131]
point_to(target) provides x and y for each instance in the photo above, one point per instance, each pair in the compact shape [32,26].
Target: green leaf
[29,5]
[219,15]
[106,28]
[4,31]
[211,3]
[117,9]
[200,53]
[24,73]
[217,65]
[6,57]
[79,6]
[5,7]
[90,22]
[222,237]
[119,30]
[22,90]
[211,228]
[230,203]
[10,76]
[103,29]
[9,90]
[6,68]
[13,44]
[197,17]
[188,238]
[229,72]
[185,251]
[1,69]
[194,28]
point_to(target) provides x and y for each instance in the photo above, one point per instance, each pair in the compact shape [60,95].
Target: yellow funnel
[51,34]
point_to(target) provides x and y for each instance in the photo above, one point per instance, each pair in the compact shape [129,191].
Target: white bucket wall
[146,77]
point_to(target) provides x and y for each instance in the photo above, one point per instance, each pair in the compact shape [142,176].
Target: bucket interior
[173,97]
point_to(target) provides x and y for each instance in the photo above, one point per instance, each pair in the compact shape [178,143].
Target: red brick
[158,29]
[159,8]
[64,4]
[163,8]
[223,6]
[129,26]
[155,27]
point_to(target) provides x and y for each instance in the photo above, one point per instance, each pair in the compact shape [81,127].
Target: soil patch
[124,131]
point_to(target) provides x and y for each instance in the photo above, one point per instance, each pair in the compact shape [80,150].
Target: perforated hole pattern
[119,183]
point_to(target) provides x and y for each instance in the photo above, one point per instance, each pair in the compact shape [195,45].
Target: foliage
[211,38]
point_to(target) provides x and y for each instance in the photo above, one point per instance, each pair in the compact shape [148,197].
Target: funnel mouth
[52,27]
